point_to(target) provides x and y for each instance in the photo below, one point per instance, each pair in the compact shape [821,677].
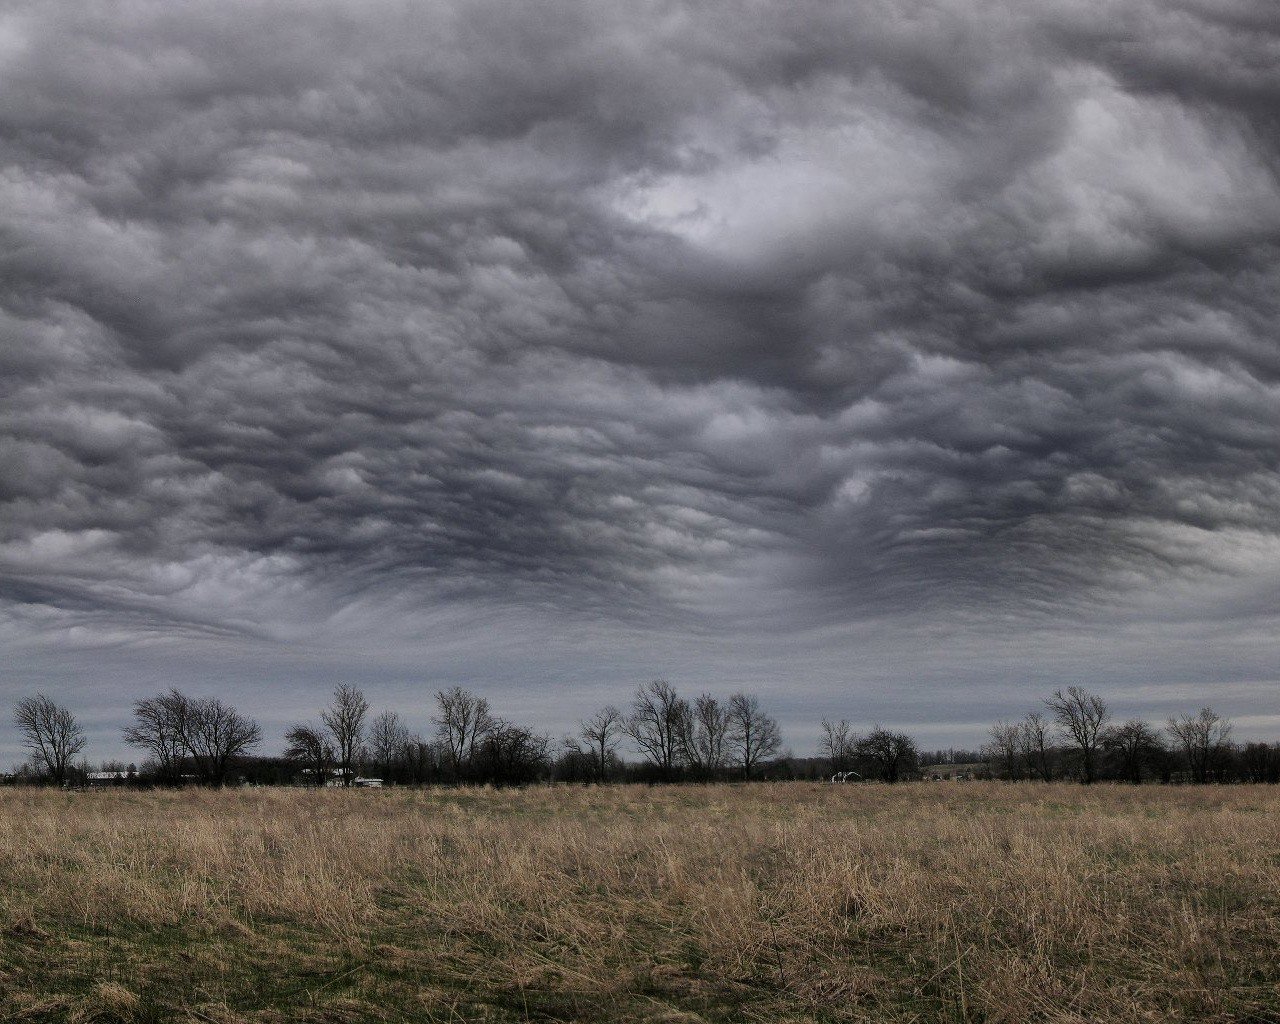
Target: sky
[894,361]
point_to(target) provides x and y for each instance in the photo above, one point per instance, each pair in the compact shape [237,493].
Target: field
[788,902]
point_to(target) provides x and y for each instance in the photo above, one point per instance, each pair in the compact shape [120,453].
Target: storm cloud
[705,328]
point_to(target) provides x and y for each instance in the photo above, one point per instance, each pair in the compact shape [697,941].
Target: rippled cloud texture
[894,359]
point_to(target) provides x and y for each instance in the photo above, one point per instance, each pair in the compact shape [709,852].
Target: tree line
[184,739]
[1074,735]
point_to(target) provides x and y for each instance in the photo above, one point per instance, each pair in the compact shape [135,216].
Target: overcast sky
[896,361]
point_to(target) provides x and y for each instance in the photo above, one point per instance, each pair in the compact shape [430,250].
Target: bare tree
[1133,744]
[1082,716]
[215,734]
[344,719]
[1002,749]
[211,734]
[1033,745]
[704,736]
[464,720]
[157,729]
[388,737]
[510,755]
[887,755]
[309,745]
[656,724]
[602,731]
[50,733]
[1204,738]
[837,744]
[753,735]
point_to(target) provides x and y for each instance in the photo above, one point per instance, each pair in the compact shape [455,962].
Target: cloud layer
[711,320]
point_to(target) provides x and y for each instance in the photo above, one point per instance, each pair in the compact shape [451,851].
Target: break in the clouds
[689,324]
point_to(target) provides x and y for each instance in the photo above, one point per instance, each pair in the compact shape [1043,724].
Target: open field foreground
[978,902]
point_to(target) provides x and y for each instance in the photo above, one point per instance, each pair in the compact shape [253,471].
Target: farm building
[103,780]
[335,777]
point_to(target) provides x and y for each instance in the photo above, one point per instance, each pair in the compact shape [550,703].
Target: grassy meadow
[772,903]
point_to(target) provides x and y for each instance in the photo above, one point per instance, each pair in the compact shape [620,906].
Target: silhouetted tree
[210,733]
[510,755]
[388,737]
[157,729]
[837,745]
[575,763]
[1002,750]
[1134,745]
[344,720]
[1082,716]
[754,736]
[705,735]
[463,721]
[309,746]
[1204,739]
[214,734]
[1033,746]
[887,756]
[602,731]
[420,761]
[50,733]
[656,724]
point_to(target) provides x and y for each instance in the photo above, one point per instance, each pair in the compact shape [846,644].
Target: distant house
[330,777]
[337,777]
[105,780]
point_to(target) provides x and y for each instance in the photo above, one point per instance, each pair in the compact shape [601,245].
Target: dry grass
[979,902]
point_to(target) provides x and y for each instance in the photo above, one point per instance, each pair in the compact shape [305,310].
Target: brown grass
[978,902]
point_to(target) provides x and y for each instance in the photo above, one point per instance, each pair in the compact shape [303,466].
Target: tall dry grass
[977,902]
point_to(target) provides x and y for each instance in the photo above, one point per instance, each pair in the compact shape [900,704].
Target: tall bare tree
[309,745]
[50,734]
[388,738]
[754,736]
[344,719]
[157,730]
[1204,738]
[837,744]
[210,733]
[602,731]
[463,721]
[215,734]
[1082,716]
[1002,749]
[705,735]
[656,724]
[1033,745]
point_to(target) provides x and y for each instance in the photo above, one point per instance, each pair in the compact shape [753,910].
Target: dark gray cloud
[677,324]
